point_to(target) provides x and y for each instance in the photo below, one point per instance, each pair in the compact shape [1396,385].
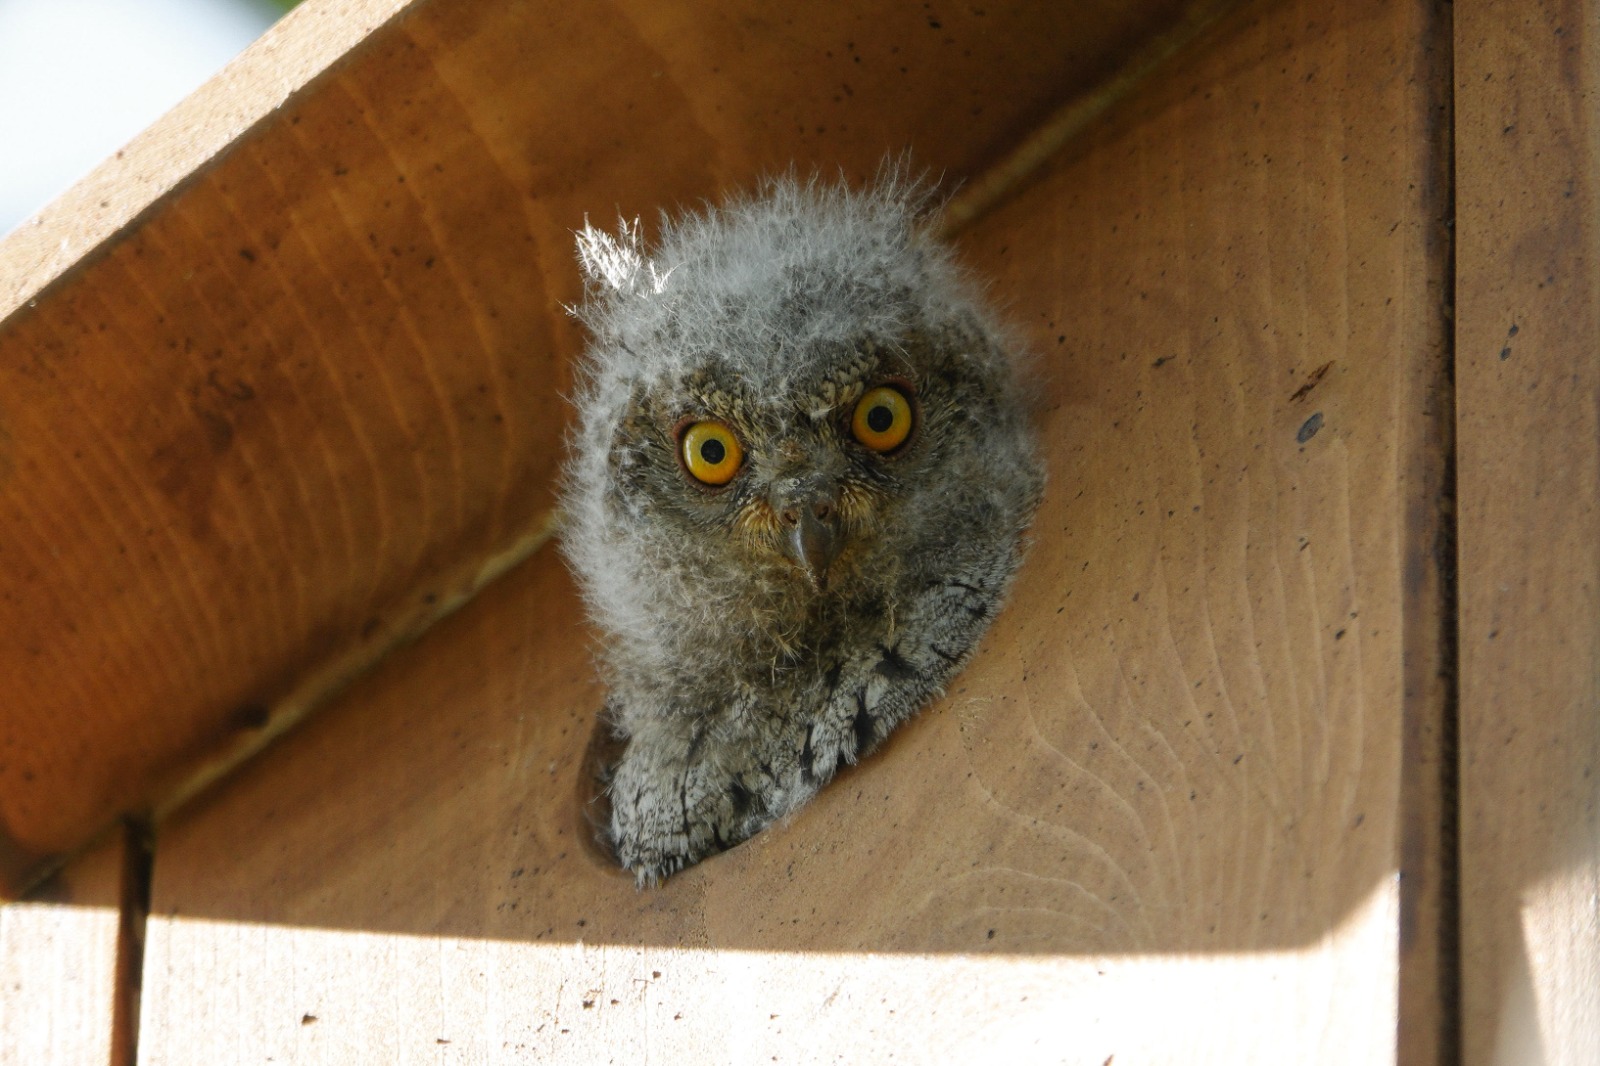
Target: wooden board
[1528,374]
[309,400]
[1164,814]
[63,966]
[289,54]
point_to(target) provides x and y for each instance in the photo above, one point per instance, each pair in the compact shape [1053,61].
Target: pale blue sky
[78,78]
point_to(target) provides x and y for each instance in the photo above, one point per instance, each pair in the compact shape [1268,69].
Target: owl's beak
[811,536]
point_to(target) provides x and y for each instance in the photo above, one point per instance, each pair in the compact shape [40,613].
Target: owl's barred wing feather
[793,327]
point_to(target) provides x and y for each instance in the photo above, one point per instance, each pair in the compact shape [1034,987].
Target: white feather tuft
[620,261]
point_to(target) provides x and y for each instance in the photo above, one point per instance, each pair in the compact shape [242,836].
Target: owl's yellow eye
[883,418]
[711,453]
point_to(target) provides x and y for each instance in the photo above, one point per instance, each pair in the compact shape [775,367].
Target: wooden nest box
[1282,751]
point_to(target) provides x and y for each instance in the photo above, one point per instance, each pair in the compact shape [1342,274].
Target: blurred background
[78,78]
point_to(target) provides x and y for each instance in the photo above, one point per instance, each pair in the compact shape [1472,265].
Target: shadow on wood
[301,403]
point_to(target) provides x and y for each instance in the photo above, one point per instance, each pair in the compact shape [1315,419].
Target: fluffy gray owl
[796,494]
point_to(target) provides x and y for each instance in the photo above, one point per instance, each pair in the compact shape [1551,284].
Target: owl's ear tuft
[619,262]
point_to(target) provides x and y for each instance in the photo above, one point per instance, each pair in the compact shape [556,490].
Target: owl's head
[778,403]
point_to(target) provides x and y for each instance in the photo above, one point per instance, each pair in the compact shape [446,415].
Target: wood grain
[1528,372]
[310,398]
[111,198]
[1175,774]
[63,978]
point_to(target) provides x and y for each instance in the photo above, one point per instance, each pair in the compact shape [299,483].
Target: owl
[797,488]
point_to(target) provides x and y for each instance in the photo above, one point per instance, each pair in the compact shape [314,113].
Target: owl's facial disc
[811,534]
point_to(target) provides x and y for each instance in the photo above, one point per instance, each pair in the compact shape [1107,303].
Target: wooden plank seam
[137,871]
[1430,1018]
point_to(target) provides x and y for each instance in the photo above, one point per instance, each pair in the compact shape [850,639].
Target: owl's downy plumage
[796,494]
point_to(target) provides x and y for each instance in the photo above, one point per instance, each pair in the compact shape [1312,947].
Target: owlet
[796,492]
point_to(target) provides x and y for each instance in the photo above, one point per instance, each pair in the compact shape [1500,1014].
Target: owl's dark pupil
[713,452]
[879,419]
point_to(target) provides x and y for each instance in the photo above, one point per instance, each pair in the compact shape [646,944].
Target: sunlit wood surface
[64,991]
